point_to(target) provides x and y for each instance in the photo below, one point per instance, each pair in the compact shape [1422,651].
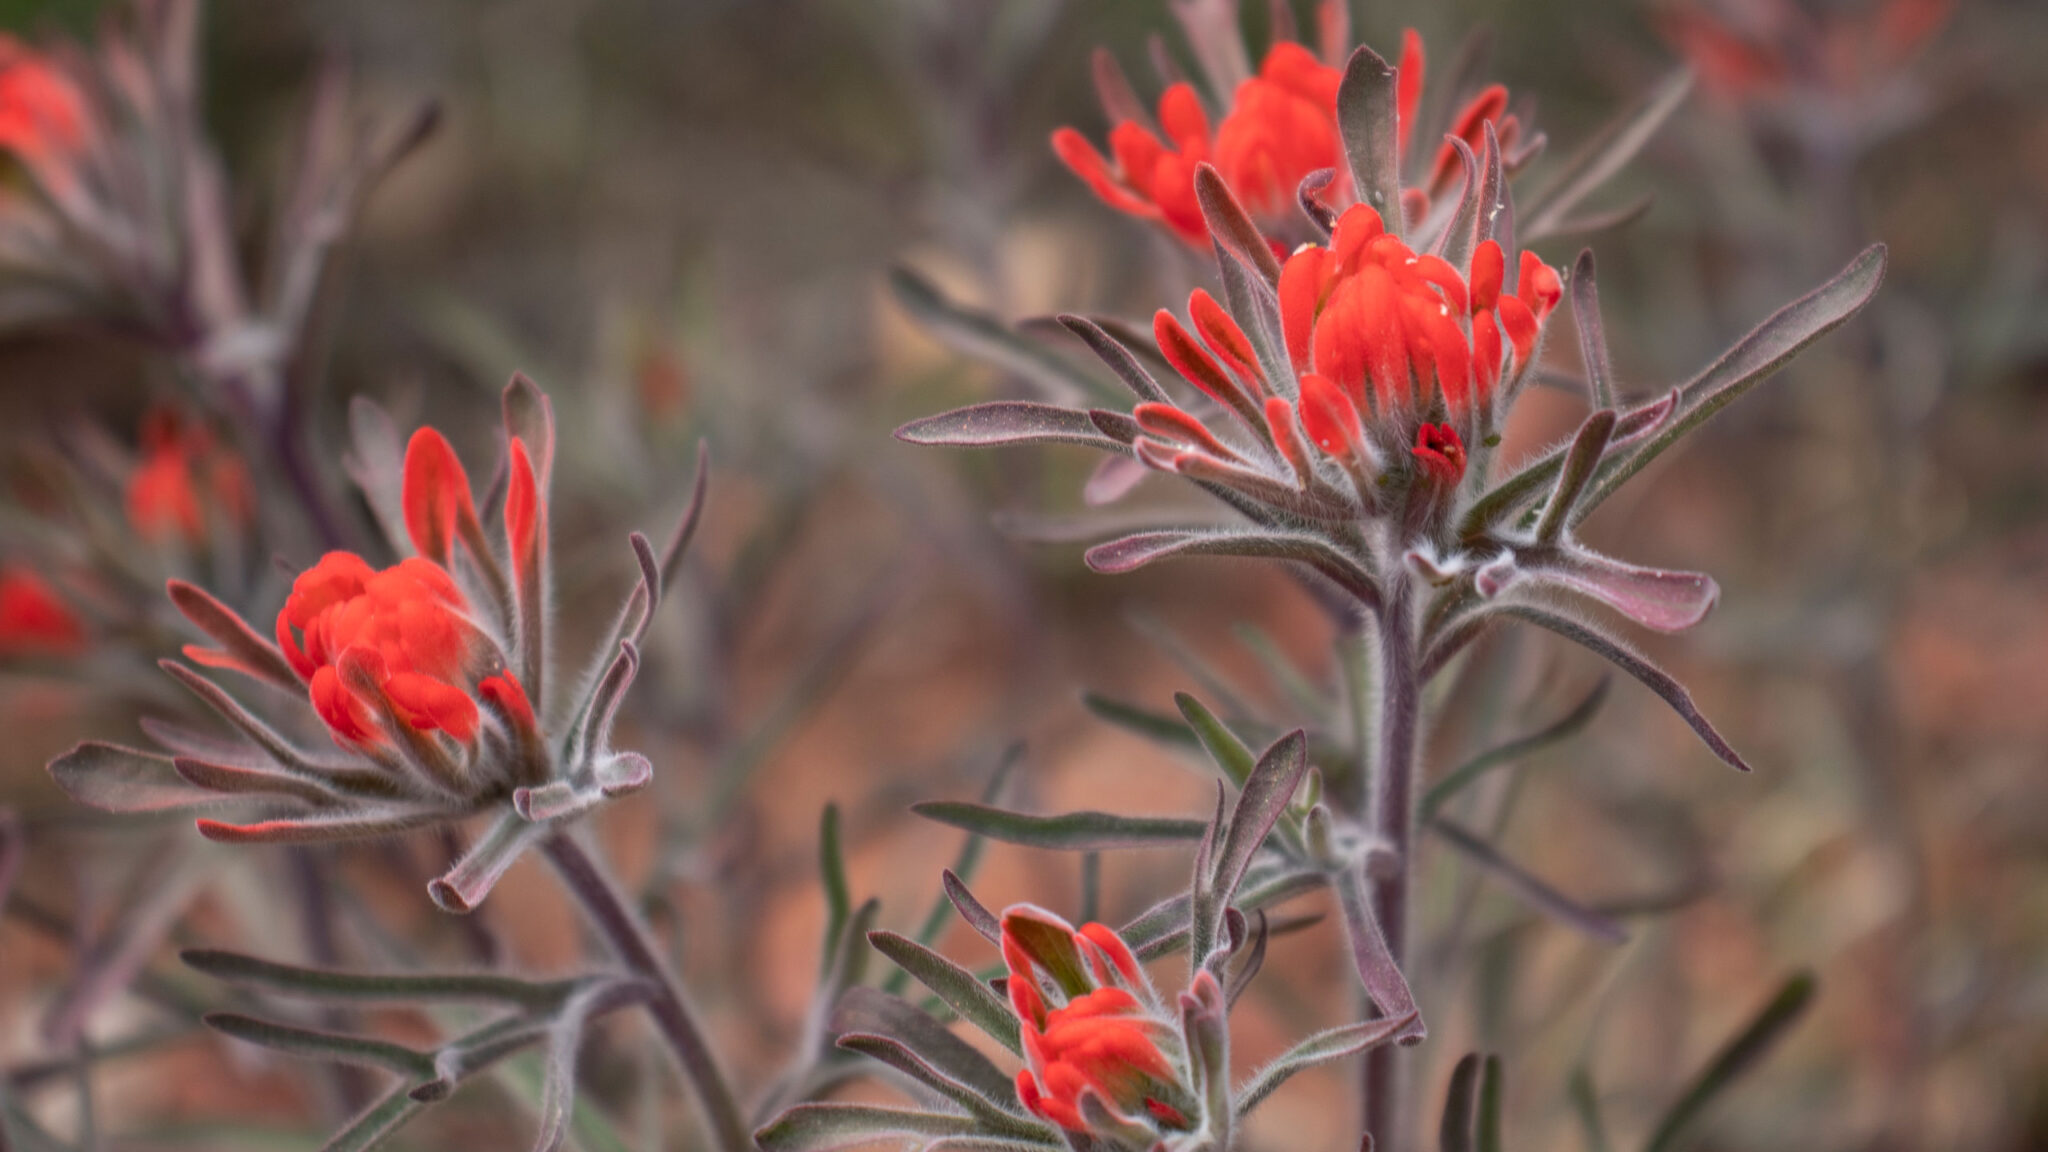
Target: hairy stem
[1392,814]
[623,929]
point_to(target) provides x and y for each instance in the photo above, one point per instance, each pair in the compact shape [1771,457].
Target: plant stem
[1392,814]
[623,929]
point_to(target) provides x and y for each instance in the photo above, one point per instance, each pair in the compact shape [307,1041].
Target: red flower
[405,645]
[1395,332]
[1104,1035]
[1281,126]
[42,115]
[181,474]
[1441,452]
[33,620]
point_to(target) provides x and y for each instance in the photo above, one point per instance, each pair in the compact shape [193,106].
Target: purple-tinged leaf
[1538,895]
[1006,422]
[1461,1106]
[1205,1030]
[116,779]
[986,338]
[1264,799]
[242,649]
[1602,156]
[1653,597]
[1618,652]
[555,800]
[1368,117]
[1232,226]
[971,910]
[623,774]
[1592,332]
[363,823]
[1584,456]
[1118,426]
[1163,928]
[12,850]
[1117,355]
[1321,1048]
[463,887]
[1113,89]
[830,1127]
[1646,418]
[1753,359]
[1112,480]
[1136,551]
[1377,969]
[961,990]
[1610,220]
[530,416]
[375,461]
[1073,831]
[235,779]
[374,987]
[1309,194]
[259,733]
[891,1030]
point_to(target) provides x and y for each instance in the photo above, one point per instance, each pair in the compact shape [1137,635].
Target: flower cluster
[34,620]
[183,477]
[1278,130]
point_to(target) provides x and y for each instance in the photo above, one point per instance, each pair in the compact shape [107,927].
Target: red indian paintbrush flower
[34,620]
[42,115]
[404,645]
[1091,1025]
[1280,127]
[182,474]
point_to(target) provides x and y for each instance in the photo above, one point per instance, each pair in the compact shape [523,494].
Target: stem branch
[623,929]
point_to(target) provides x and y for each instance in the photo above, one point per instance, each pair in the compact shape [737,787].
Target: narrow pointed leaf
[1265,797]
[1377,969]
[984,337]
[377,1123]
[1073,831]
[235,780]
[1006,422]
[1154,726]
[316,1045]
[1232,226]
[250,652]
[1742,1053]
[1461,1107]
[962,991]
[1538,895]
[1592,332]
[1133,552]
[1321,1048]
[372,987]
[116,779]
[828,1127]
[1223,746]
[356,824]
[1653,597]
[971,910]
[376,462]
[1587,450]
[1487,1122]
[1628,660]
[1753,359]
[1567,726]
[1586,1106]
[1604,155]
[1114,353]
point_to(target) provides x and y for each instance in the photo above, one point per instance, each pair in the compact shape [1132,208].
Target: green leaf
[1752,360]
[887,1029]
[825,1127]
[1321,1048]
[1564,728]
[962,991]
[832,871]
[1592,332]
[326,984]
[1461,1102]
[1490,1090]
[377,1123]
[986,338]
[1073,831]
[1739,1055]
[317,1045]
[1223,746]
[1156,726]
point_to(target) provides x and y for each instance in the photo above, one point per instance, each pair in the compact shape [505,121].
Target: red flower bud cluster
[182,474]
[34,620]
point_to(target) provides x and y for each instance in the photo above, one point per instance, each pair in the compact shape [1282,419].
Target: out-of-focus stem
[624,930]
[1392,815]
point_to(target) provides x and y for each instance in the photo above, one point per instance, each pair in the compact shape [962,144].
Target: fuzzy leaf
[1154,726]
[971,910]
[365,823]
[465,885]
[244,649]
[1232,226]
[1223,746]
[372,987]
[827,1127]
[1006,422]
[887,1029]
[315,1045]
[1736,1058]
[377,1123]
[986,338]
[1133,552]
[1267,792]
[1114,353]
[1589,446]
[116,779]
[1628,660]
[1653,597]
[1592,332]
[1321,1048]
[376,462]
[1753,359]
[1368,117]
[1602,156]
[962,991]
[237,780]
[1072,831]
[1377,969]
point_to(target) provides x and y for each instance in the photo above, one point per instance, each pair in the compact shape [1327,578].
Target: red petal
[1190,361]
[1408,84]
[1301,296]
[436,494]
[1489,267]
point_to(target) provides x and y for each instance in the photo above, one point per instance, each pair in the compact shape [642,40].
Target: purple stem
[1393,815]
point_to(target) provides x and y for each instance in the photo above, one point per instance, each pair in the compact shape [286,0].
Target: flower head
[1279,128]
[1092,1027]
[182,475]
[34,620]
